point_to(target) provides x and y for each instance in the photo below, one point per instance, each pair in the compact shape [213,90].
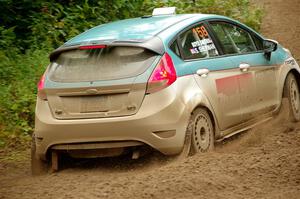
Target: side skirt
[243,129]
[248,125]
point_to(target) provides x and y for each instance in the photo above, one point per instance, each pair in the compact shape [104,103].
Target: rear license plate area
[98,103]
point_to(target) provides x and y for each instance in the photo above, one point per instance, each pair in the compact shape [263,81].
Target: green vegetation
[29,30]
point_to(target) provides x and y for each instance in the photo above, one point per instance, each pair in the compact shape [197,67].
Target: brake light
[41,84]
[163,75]
[92,47]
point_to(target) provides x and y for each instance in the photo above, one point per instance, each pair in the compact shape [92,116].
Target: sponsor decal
[290,62]
[205,43]
[231,85]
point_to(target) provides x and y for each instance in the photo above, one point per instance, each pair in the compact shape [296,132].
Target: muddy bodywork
[235,99]
[159,123]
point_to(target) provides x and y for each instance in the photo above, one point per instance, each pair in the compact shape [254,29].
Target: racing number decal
[201,31]
[203,44]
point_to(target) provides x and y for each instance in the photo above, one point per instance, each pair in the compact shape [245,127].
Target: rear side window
[233,39]
[174,48]
[196,43]
[100,64]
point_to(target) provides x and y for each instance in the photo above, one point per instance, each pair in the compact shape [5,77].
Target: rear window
[100,64]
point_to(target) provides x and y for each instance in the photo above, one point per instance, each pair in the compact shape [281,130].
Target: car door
[257,84]
[216,76]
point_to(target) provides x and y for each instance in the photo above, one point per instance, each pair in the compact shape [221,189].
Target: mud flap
[54,161]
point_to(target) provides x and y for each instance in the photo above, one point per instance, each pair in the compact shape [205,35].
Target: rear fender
[194,98]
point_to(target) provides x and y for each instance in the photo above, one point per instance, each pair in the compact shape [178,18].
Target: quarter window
[258,42]
[196,43]
[174,48]
[233,39]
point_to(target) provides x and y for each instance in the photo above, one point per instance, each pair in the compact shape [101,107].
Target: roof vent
[164,11]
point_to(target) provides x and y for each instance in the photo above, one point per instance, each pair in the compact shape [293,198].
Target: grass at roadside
[9,155]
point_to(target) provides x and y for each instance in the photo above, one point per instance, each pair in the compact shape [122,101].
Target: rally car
[175,82]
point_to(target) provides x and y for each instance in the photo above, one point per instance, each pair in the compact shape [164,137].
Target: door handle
[202,72]
[244,67]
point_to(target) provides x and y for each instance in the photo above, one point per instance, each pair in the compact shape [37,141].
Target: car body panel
[224,100]
[258,91]
[94,99]
[235,99]
[170,114]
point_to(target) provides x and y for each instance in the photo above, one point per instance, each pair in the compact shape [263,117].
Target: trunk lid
[98,82]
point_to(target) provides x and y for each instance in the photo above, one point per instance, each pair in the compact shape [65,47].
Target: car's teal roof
[130,29]
[140,29]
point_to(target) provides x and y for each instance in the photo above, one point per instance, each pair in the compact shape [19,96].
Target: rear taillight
[41,84]
[163,75]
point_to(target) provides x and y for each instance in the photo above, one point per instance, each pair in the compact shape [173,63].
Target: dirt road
[282,23]
[262,163]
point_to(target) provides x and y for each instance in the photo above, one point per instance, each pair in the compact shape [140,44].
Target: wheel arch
[212,117]
[200,100]
[208,111]
[296,73]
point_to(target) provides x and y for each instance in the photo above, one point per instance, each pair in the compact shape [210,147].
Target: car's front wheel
[291,92]
[199,134]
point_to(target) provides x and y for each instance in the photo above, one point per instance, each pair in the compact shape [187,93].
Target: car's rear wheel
[202,132]
[38,166]
[291,92]
[199,134]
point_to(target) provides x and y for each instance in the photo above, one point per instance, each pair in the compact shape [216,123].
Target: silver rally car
[176,83]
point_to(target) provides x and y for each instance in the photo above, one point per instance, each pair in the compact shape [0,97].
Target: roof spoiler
[154,44]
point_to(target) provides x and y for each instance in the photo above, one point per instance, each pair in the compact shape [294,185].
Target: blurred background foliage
[30,30]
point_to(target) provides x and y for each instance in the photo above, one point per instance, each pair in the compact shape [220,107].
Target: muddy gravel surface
[261,163]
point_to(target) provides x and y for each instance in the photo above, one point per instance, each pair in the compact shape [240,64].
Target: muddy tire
[202,132]
[291,92]
[38,166]
[199,134]
[186,151]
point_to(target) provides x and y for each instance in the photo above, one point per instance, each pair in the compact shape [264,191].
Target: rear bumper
[161,111]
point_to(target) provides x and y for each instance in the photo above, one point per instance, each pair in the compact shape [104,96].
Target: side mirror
[269,47]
